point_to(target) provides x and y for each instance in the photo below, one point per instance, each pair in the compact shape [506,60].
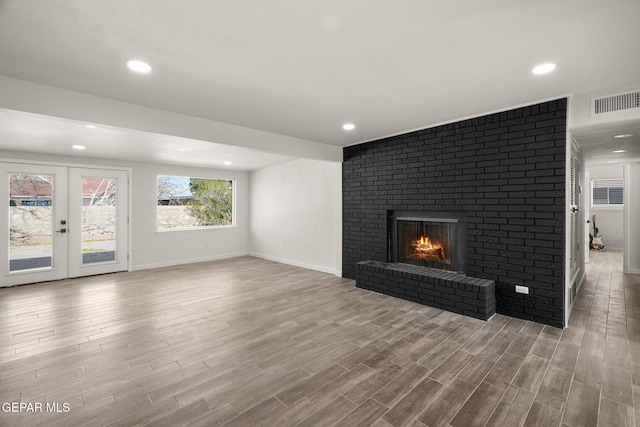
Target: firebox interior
[428,239]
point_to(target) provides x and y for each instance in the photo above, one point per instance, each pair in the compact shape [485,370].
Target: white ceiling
[303,68]
[597,145]
[35,133]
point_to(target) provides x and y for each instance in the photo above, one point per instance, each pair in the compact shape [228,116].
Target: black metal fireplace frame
[459,259]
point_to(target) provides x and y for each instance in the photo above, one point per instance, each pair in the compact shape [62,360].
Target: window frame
[201,227]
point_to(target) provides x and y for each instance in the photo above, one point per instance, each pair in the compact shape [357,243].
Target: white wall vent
[619,103]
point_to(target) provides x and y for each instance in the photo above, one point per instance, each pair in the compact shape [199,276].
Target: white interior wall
[295,204]
[609,220]
[296,214]
[155,249]
[632,213]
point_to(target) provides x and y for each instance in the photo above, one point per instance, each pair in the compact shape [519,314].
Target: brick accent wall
[504,171]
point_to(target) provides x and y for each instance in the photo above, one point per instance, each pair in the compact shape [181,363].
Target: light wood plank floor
[248,342]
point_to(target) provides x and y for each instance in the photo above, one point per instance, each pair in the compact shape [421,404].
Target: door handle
[63,223]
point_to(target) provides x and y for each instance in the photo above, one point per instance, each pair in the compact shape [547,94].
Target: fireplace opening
[420,241]
[428,239]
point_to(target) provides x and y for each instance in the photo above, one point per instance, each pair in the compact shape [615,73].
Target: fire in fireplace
[422,240]
[424,248]
[429,239]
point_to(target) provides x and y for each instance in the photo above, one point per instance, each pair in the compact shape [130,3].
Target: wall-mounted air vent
[620,103]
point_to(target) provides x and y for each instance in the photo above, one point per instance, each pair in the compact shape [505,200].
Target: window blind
[608,191]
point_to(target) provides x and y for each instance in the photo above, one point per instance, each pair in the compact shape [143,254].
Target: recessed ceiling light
[623,135]
[227,163]
[139,66]
[619,151]
[544,68]
[78,147]
[90,126]
[613,161]
[182,149]
[348,126]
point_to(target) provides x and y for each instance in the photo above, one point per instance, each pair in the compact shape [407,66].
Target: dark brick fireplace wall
[504,171]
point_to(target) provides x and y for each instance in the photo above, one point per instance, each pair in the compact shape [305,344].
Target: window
[607,192]
[194,203]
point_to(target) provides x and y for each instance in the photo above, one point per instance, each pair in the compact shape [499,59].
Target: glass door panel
[98,227]
[99,219]
[30,221]
[32,226]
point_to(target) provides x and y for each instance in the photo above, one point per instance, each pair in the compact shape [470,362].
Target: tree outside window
[187,202]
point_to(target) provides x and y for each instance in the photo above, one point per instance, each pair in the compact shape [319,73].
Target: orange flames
[424,248]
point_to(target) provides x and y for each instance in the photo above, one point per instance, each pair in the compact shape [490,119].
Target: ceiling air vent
[624,103]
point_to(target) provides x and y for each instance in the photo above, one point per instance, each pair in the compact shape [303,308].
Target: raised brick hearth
[505,172]
[436,288]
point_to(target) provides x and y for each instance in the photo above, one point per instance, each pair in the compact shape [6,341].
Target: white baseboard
[187,261]
[172,263]
[322,269]
[633,271]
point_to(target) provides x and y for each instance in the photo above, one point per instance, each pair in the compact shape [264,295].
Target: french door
[58,222]
[98,237]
